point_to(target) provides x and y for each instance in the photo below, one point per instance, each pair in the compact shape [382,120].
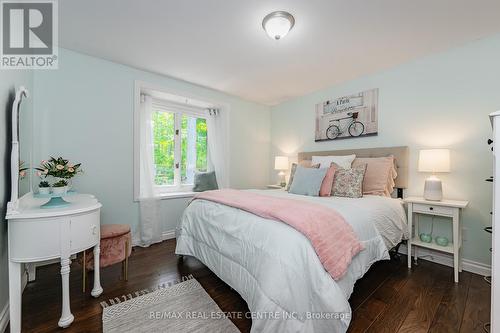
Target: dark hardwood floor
[389,298]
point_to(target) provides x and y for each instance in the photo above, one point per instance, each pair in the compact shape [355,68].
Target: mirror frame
[13,205]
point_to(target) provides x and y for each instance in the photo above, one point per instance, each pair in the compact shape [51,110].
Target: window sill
[173,195]
[176,195]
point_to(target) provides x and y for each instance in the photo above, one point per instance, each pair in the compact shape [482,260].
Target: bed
[275,268]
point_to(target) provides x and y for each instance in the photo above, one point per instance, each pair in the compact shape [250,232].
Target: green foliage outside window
[164,146]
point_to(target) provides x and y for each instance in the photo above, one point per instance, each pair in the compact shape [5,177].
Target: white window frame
[178,111]
[145,87]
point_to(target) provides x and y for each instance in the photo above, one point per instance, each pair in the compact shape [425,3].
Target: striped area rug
[184,307]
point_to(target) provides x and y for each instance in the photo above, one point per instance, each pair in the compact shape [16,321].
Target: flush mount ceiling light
[278,24]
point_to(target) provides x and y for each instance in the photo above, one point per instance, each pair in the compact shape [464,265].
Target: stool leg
[125,270]
[84,270]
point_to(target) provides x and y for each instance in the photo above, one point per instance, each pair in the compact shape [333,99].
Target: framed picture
[346,117]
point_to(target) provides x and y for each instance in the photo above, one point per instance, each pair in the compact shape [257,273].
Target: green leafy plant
[44,184]
[60,183]
[59,168]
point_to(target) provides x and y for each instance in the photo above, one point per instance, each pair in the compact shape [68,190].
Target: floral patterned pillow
[349,182]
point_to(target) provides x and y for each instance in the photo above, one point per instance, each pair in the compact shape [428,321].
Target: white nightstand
[274,187]
[446,208]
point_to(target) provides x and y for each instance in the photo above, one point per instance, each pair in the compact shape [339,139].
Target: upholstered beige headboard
[401,155]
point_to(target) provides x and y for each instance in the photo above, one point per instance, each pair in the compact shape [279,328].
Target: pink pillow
[326,185]
[379,175]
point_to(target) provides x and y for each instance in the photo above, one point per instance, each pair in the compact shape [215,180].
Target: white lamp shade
[434,160]
[281,163]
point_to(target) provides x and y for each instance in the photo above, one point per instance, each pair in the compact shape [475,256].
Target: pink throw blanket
[331,236]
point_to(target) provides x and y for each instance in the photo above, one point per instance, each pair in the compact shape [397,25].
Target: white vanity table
[38,234]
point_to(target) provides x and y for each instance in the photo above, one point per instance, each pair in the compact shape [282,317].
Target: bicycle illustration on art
[348,116]
[353,127]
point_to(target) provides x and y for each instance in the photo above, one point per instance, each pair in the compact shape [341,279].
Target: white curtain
[217,146]
[149,201]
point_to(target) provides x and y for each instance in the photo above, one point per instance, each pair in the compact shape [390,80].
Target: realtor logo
[29,34]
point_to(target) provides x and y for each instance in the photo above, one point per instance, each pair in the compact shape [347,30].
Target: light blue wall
[438,101]
[9,81]
[84,111]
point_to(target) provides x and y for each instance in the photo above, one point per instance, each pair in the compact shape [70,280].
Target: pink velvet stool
[116,241]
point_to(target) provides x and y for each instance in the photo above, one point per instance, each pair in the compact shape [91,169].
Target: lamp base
[433,189]
[282,177]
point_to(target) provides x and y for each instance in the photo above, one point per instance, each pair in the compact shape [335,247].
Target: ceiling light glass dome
[278,24]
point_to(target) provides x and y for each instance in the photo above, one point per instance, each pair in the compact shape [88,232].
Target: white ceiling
[221,44]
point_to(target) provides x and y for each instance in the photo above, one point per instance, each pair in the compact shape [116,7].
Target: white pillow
[342,161]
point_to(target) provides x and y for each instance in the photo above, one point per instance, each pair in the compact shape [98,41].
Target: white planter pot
[44,190]
[59,190]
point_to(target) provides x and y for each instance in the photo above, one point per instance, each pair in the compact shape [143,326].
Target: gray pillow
[205,181]
[307,181]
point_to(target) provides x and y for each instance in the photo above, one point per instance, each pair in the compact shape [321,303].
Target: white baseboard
[168,235]
[447,260]
[164,236]
[4,317]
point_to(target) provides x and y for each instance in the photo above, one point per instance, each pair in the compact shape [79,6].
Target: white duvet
[274,267]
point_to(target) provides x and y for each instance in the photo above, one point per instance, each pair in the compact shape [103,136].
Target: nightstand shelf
[433,246]
[445,208]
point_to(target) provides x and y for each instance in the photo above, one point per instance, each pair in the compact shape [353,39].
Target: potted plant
[44,187]
[61,169]
[60,187]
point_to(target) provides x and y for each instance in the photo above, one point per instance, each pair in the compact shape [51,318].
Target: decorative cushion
[349,182]
[342,161]
[205,181]
[305,164]
[391,183]
[326,185]
[394,174]
[379,176]
[307,181]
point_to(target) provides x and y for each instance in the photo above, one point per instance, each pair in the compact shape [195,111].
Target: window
[179,137]
[171,142]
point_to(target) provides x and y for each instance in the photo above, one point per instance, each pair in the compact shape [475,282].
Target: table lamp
[434,161]
[281,164]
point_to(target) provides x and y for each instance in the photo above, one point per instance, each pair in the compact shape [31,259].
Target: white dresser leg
[410,232]
[15,296]
[456,245]
[66,315]
[97,290]
[460,263]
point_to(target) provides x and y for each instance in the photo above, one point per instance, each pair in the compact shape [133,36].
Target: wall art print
[348,116]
